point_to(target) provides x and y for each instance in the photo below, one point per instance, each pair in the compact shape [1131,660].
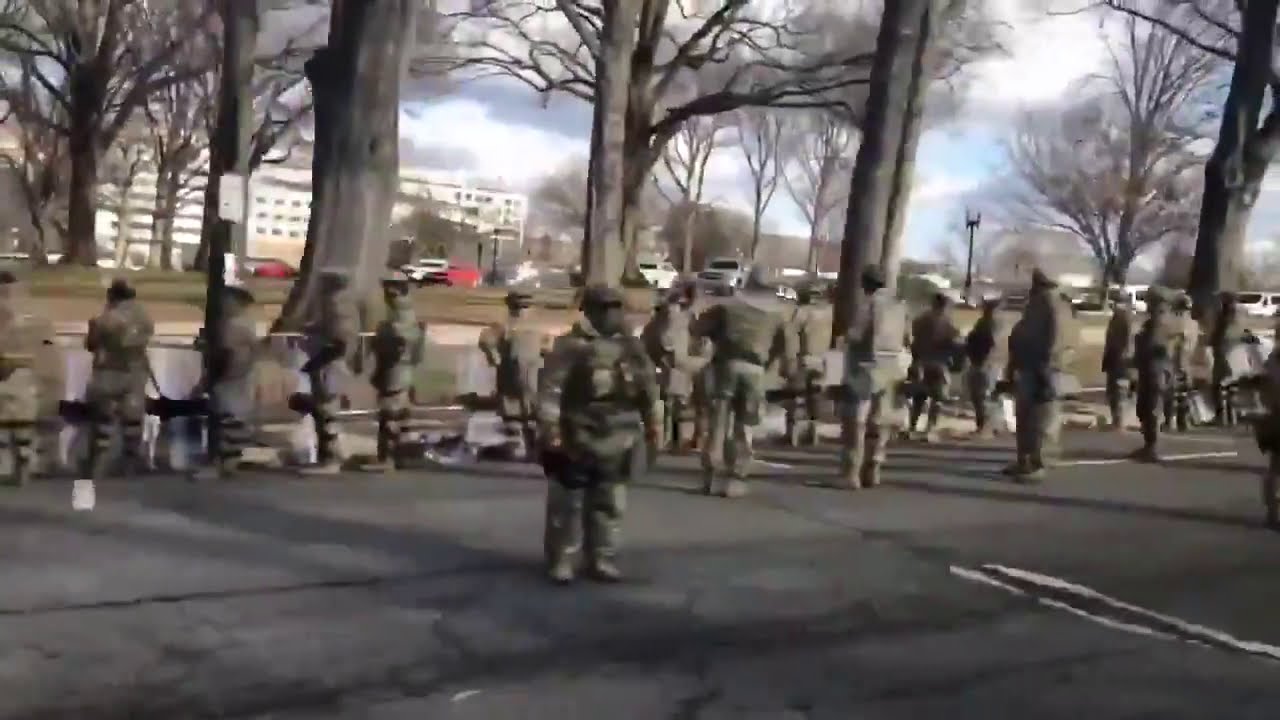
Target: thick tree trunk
[355,170]
[82,245]
[1233,174]
[604,253]
[874,170]
[160,254]
[124,223]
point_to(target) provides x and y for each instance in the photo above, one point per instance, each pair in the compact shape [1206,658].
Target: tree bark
[160,254]
[875,168]
[1233,174]
[82,244]
[124,229]
[604,251]
[355,171]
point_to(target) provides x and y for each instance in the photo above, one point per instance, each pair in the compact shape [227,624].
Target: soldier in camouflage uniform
[19,396]
[514,349]
[811,329]
[118,340]
[1117,359]
[934,341]
[1177,404]
[985,356]
[877,341]
[1154,350]
[397,351]
[599,404]
[747,338]
[670,347]
[1040,345]
[1226,331]
[233,391]
[333,344]
[1267,434]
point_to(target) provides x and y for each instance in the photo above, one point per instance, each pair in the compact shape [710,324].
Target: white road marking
[1163,458]
[773,465]
[460,696]
[999,575]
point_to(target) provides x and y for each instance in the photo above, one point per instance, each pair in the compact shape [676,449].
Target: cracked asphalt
[418,596]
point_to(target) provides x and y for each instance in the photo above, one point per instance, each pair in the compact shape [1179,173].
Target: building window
[294,234]
[262,214]
[279,201]
[275,231]
[297,203]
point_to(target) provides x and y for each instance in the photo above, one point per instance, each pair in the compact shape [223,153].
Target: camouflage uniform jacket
[669,343]
[1156,344]
[811,325]
[240,339]
[982,345]
[876,344]
[1117,348]
[598,394]
[397,349]
[933,338]
[336,332]
[118,338]
[514,349]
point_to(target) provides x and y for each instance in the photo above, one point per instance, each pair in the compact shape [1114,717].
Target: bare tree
[816,165]
[1115,169]
[38,161]
[756,59]
[121,165]
[559,200]
[1243,33]
[684,161]
[98,64]
[760,137]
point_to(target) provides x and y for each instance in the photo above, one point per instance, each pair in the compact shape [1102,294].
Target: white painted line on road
[459,697]
[1163,458]
[773,465]
[1175,628]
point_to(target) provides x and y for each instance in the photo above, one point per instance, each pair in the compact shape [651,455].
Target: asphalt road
[1113,590]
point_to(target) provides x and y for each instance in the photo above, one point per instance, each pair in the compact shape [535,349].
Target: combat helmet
[519,299]
[395,280]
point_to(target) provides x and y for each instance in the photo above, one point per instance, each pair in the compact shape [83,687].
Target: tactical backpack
[746,332]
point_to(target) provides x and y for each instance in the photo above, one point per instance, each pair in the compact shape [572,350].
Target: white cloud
[517,154]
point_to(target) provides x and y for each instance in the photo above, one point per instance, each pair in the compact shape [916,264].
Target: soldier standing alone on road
[397,351]
[1154,349]
[598,400]
[334,342]
[877,340]
[811,325]
[233,380]
[984,352]
[118,340]
[934,342]
[514,349]
[1117,359]
[19,393]
[1039,345]
[747,338]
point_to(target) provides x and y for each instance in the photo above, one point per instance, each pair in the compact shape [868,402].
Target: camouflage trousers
[930,392]
[1153,386]
[678,414]
[19,412]
[1176,402]
[520,420]
[393,416]
[864,438]
[980,382]
[114,398]
[1271,489]
[802,407]
[735,391]
[1117,388]
[1039,425]
[585,511]
[326,404]
[233,406]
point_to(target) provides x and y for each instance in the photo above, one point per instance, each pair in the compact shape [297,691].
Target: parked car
[270,268]
[721,274]
[428,271]
[460,275]
[660,274]
[1256,304]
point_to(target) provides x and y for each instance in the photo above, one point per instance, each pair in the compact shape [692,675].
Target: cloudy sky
[500,130]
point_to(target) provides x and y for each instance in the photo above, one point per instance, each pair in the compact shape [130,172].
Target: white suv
[428,271]
[724,273]
[661,275]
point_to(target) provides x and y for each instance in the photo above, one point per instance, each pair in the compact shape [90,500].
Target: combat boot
[604,570]
[561,571]
[869,476]
[1018,467]
[1145,454]
[985,433]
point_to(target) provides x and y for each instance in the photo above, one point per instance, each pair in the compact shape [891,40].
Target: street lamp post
[971,222]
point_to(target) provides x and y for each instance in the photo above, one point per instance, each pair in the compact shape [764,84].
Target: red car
[277,269]
[467,276]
